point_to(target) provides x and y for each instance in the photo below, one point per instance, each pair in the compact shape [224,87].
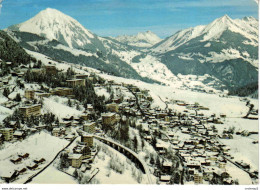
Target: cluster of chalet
[22,163]
[202,154]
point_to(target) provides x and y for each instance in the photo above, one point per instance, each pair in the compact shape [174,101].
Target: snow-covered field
[59,109]
[39,145]
[241,147]
[231,106]
[53,176]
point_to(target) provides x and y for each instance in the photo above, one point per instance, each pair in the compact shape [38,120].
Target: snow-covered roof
[18,133]
[165,178]
[7,173]
[107,114]
[6,129]
[75,156]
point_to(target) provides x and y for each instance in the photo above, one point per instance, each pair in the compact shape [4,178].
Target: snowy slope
[53,24]
[247,27]
[142,39]
[39,145]
[226,49]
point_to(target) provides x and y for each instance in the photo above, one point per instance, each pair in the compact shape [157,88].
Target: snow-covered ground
[231,106]
[102,92]
[236,173]
[59,109]
[108,176]
[241,147]
[39,145]
[53,176]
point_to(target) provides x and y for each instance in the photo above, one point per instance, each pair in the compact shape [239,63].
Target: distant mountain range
[142,39]
[225,51]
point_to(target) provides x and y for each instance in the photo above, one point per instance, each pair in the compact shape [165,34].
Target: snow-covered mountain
[247,27]
[226,49]
[53,24]
[142,39]
[221,54]
[63,38]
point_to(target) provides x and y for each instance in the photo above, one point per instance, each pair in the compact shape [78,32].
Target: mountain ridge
[218,49]
[141,39]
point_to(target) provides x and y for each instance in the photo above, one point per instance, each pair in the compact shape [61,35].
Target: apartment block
[28,111]
[109,119]
[90,127]
[8,133]
[29,94]
[76,82]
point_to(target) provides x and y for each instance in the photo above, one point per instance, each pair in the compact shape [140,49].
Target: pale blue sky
[118,17]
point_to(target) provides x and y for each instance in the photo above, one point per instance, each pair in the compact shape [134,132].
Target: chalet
[148,138]
[113,107]
[22,171]
[222,165]
[33,167]
[228,181]
[166,167]
[29,94]
[85,116]
[193,164]
[165,178]
[14,124]
[40,161]
[19,135]
[9,176]
[161,148]
[223,115]
[90,107]
[24,156]
[7,133]
[75,160]
[68,118]
[56,132]
[16,161]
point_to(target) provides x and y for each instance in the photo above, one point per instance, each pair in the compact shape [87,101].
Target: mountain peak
[224,19]
[211,32]
[50,10]
[50,13]
[53,24]
[249,18]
